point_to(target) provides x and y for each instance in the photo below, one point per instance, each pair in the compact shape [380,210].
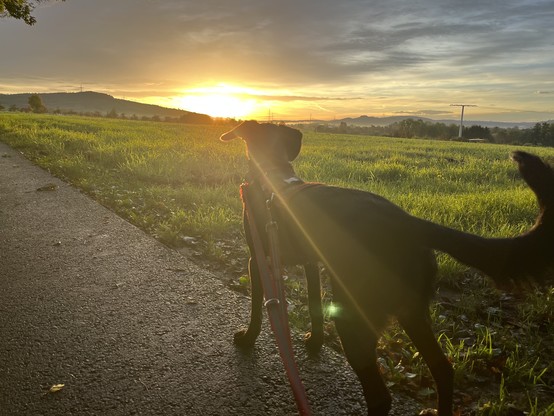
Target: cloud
[289,98]
[347,50]
[293,42]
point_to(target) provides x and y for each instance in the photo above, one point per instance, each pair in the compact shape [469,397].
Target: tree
[477,132]
[19,9]
[543,134]
[36,105]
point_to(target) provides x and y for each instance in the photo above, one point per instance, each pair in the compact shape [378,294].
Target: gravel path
[127,325]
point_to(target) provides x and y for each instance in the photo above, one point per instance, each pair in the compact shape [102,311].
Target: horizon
[293,61]
[455,120]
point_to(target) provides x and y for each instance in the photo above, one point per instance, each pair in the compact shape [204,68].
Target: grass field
[179,183]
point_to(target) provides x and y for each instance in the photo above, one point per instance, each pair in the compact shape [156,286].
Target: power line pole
[462,116]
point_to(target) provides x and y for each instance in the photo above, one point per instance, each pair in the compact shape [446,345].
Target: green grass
[179,183]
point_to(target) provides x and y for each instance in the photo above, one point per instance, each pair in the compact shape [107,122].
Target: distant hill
[379,121]
[91,102]
[385,121]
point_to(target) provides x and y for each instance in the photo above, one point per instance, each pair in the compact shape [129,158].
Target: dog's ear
[242,130]
[292,139]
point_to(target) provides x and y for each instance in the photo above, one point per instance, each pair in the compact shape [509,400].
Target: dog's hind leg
[359,343]
[247,338]
[314,338]
[418,327]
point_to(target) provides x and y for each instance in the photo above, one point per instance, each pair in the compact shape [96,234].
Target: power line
[462,116]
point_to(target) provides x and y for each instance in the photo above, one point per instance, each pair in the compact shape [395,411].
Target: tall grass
[185,177]
[472,187]
[180,183]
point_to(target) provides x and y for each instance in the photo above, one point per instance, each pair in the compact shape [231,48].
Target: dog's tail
[529,256]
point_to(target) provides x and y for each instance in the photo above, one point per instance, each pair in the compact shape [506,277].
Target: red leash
[276,302]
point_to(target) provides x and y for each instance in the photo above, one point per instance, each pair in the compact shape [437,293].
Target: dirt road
[127,325]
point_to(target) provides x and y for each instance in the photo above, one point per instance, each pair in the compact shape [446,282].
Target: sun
[218,101]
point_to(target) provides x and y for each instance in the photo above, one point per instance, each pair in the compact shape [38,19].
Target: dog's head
[268,145]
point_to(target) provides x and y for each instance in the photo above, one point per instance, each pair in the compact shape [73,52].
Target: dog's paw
[313,341]
[243,339]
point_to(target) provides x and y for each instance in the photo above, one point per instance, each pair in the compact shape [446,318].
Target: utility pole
[462,116]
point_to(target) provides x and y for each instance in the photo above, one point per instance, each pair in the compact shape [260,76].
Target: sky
[294,59]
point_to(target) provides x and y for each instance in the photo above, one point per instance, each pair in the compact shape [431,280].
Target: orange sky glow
[232,101]
[219,101]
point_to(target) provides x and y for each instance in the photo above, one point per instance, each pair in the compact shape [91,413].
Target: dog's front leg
[247,338]
[314,338]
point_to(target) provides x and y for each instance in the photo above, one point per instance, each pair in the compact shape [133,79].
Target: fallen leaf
[48,187]
[55,388]
[189,240]
[426,392]
[428,412]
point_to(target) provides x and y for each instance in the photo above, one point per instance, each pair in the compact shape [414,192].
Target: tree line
[542,134]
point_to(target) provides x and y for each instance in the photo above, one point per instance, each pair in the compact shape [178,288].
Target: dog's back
[360,244]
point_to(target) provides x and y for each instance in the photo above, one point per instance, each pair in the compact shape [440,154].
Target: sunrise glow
[218,101]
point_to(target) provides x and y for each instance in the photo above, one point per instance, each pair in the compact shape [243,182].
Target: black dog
[278,174]
[380,258]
